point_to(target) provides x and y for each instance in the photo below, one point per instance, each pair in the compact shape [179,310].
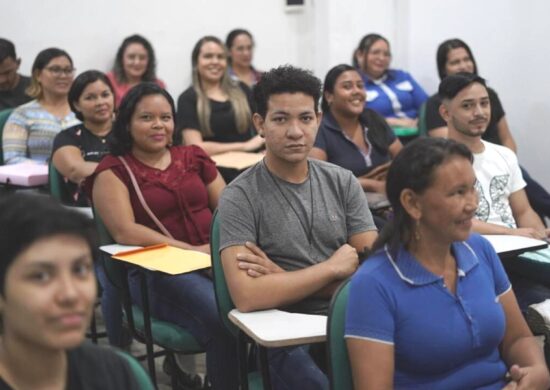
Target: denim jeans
[111,307]
[294,369]
[188,300]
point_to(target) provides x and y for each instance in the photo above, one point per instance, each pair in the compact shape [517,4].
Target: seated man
[291,228]
[12,84]
[503,207]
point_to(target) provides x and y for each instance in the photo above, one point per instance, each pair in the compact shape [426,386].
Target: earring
[417,231]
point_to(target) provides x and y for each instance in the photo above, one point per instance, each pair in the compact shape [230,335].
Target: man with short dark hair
[291,228]
[503,206]
[12,84]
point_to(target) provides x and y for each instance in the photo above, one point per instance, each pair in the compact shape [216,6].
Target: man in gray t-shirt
[290,228]
[276,215]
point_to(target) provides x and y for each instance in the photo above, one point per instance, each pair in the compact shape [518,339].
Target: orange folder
[166,258]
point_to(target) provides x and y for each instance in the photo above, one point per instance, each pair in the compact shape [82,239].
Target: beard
[467,129]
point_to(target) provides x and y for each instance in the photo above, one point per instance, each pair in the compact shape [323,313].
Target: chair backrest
[141,376]
[4,115]
[221,291]
[422,128]
[114,269]
[57,187]
[339,366]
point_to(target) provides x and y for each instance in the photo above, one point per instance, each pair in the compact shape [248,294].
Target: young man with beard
[503,207]
[291,228]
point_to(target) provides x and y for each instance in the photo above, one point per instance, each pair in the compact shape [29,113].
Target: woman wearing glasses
[30,129]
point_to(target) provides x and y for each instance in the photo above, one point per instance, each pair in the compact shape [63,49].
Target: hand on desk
[257,263]
[531,232]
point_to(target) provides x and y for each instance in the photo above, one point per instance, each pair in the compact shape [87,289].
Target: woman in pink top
[134,63]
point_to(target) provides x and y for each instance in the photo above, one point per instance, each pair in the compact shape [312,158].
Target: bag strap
[142,199]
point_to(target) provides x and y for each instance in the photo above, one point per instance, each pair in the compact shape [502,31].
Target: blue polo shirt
[342,151]
[395,95]
[441,341]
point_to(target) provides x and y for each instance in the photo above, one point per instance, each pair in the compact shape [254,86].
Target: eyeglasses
[58,71]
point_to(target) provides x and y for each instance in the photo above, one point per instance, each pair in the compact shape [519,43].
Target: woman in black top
[215,112]
[78,149]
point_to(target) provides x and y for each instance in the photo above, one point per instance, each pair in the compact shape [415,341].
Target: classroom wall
[509,40]
[508,37]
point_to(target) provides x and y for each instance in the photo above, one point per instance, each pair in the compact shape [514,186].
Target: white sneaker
[538,318]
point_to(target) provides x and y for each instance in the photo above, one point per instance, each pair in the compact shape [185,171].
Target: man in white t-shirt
[503,206]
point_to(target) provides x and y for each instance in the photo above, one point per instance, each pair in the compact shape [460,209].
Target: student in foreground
[291,228]
[433,308]
[47,294]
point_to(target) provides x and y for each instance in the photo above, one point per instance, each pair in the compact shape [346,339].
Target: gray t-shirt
[276,215]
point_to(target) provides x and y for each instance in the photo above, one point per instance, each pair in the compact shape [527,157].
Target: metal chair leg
[264,367]
[147,325]
[242,360]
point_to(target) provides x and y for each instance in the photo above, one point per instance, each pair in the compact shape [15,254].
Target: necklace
[307,229]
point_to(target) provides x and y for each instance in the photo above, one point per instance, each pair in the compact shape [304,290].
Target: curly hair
[286,79]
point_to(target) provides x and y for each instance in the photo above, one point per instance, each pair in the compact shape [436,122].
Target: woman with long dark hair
[433,307]
[351,135]
[135,62]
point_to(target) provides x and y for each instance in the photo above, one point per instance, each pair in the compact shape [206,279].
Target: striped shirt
[29,133]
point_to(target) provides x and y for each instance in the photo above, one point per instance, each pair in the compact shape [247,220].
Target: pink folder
[24,174]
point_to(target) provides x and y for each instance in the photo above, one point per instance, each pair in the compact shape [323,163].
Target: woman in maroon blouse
[181,186]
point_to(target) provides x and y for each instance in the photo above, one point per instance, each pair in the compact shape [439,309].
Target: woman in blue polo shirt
[433,308]
[352,136]
[392,93]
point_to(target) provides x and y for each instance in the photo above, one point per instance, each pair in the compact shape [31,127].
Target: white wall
[509,39]
[91,31]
